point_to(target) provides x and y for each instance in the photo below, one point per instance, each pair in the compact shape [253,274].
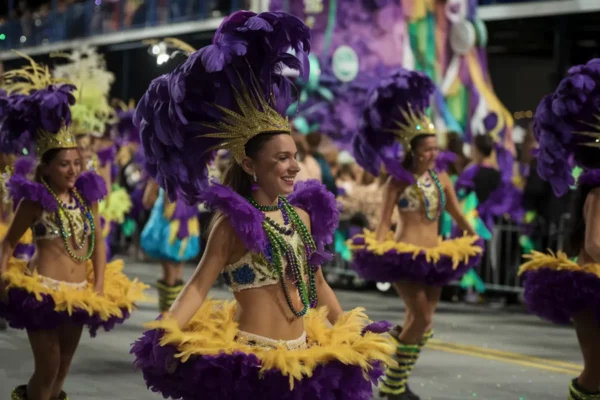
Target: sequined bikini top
[46,227]
[412,198]
[254,271]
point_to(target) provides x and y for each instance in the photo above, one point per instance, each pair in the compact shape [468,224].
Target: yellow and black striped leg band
[162,288]
[428,335]
[578,393]
[171,294]
[19,393]
[396,376]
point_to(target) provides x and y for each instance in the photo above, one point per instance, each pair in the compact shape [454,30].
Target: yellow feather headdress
[87,70]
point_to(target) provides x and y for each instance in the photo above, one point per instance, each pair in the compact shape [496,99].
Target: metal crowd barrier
[500,265]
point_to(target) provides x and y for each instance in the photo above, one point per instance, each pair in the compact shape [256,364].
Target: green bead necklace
[425,200]
[278,248]
[67,232]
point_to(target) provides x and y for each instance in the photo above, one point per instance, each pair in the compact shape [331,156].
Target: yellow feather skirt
[36,302]
[25,248]
[205,358]
[391,261]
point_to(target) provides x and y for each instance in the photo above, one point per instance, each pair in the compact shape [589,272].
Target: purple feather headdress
[565,122]
[393,116]
[37,110]
[125,131]
[187,114]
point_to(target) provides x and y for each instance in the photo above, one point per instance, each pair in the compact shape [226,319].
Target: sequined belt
[261,341]
[56,285]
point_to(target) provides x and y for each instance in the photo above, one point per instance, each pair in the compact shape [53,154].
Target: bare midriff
[417,230]
[52,260]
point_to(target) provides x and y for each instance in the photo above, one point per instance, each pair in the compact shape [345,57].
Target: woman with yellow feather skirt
[67,283]
[396,134]
[567,128]
[91,118]
[11,164]
[267,239]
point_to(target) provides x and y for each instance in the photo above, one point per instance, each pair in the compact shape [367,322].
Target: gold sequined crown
[594,133]
[414,124]
[27,80]
[255,116]
[46,141]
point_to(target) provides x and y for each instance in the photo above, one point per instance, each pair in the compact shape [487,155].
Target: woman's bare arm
[150,194]
[25,215]
[391,193]
[325,294]
[453,206]
[592,224]
[218,250]
[99,255]
[105,173]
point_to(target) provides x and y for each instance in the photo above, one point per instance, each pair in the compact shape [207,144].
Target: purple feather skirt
[556,293]
[33,306]
[237,374]
[391,261]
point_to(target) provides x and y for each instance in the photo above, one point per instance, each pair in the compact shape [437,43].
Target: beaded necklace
[61,214]
[278,248]
[425,200]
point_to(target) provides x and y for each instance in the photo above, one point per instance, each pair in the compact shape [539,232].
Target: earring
[254,183]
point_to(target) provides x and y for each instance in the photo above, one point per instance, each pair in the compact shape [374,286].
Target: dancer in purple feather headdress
[67,283]
[397,135]
[272,342]
[11,163]
[567,128]
[132,177]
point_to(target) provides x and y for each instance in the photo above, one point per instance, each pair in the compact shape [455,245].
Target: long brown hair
[235,177]
[46,159]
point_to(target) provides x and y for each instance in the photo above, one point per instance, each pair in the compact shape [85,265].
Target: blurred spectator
[488,178]
[314,141]
[309,167]
[455,145]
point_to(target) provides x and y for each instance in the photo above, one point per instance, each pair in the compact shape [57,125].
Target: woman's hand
[99,288]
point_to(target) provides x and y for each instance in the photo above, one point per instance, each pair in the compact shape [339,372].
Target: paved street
[478,352]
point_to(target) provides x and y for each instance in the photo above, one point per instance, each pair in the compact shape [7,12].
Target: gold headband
[594,134]
[255,116]
[414,125]
[64,139]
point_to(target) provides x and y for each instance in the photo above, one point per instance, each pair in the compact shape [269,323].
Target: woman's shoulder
[319,207]
[236,212]
[91,186]
[28,192]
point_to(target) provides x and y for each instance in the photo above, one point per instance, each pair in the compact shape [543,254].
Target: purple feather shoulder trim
[245,220]
[24,165]
[91,186]
[590,178]
[312,197]
[21,188]
[443,160]
[107,155]
[465,180]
